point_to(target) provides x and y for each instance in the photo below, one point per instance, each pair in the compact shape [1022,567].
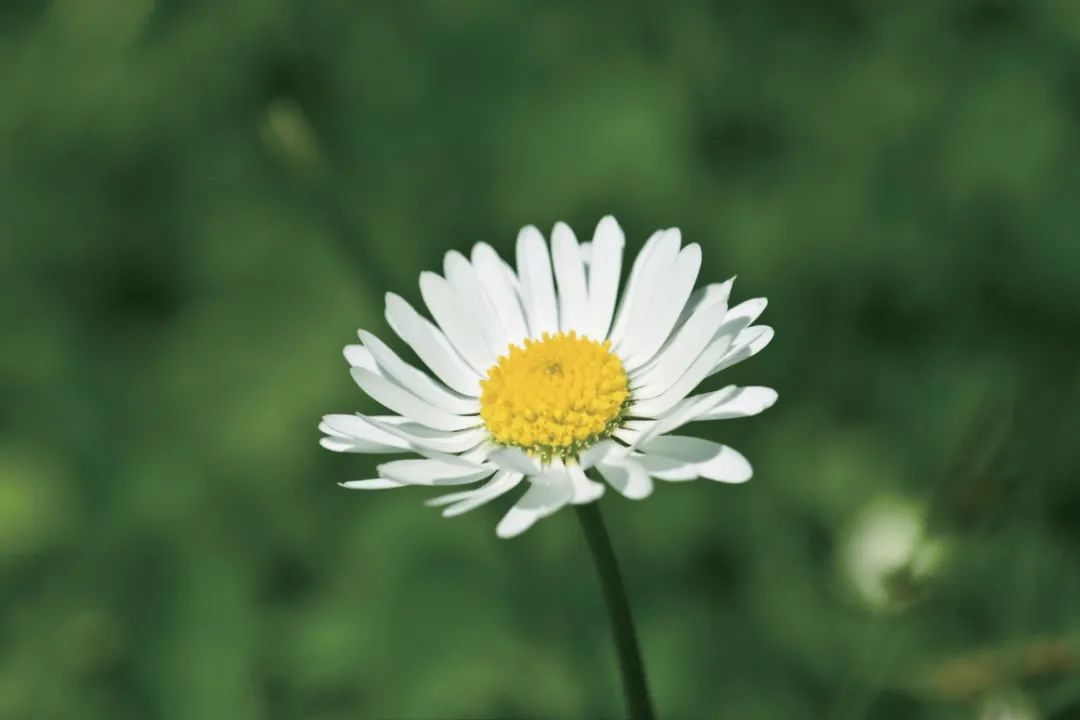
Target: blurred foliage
[201,201]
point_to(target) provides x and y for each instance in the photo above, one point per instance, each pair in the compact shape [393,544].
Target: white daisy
[537,378]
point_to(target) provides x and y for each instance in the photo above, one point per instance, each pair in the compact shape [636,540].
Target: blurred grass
[201,202]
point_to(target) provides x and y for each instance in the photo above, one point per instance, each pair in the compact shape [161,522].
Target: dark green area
[200,202]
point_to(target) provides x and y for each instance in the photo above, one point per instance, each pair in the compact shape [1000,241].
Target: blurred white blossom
[888,556]
[1008,705]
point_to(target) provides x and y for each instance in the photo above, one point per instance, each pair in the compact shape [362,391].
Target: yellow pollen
[555,396]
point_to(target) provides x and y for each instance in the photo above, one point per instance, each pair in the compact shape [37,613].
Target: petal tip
[529,233]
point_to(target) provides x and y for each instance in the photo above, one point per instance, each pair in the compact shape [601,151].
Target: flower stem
[635,686]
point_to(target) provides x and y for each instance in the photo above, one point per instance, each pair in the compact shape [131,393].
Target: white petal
[465,280]
[749,309]
[628,477]
[724,346]
[434,472]
[756,338]
[599,452]
[733,326]
[584,489]
[416,381]
[727,466]
[358,356]
[618,325]
[732,343]
[605,266]
[681,351]
[428,342]
[373,484]
[707,406]
[349,445]
[480,453]
[349,433]
[537,285]
[459,495]
[543,497]
[647,279]
[585,249]
[686,411]
[748,343]
[714,296]
[709,459]
[419,437]
[453,318]
[668,469]
[462,502]
[746,401]
[515,459]
[633,436]
[500,286]
[570,276]
[686,449]
[711,294]
[405,403]
[699,369]
[640,425]
[663,310]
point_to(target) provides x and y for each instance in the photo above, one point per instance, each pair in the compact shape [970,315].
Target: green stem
[635,686]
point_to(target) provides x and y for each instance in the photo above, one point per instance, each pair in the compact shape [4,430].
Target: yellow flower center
[555,396]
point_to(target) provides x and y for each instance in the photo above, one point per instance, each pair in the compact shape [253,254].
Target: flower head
[890,555]
[538,375]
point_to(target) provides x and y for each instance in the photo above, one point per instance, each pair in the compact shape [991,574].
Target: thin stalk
[635,687]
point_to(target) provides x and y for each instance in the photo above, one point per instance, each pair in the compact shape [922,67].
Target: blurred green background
[200,202]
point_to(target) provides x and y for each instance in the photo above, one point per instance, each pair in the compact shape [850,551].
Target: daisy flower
[535,376]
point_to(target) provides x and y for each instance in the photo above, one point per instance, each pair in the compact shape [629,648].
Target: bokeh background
[200,202]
